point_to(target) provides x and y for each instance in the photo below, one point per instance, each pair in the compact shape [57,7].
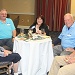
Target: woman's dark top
[45,27]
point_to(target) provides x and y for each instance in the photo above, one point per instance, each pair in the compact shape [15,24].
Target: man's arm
[72,54]
[70,58]
[56,41]
[14,33]
[7,52]
[70,49]
[4,52]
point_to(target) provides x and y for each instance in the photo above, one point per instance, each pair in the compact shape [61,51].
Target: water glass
[42,31]
[22,31]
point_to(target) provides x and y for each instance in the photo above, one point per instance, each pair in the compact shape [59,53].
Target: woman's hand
[38,31]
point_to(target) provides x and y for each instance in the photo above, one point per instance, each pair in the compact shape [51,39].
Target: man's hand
[69,59]
[72,60]
[70,49]
[6,52]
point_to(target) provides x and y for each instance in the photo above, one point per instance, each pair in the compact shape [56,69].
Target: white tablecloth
[37,56]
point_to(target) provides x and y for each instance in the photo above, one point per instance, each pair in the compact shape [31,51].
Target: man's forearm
[14,34]
[72,54]
[56,41]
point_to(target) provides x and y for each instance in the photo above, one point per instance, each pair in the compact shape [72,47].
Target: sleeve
[1,49]
[12,25]
[63,31]
[57,41]
[33,27]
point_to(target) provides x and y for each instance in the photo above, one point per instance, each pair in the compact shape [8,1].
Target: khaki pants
[67,69]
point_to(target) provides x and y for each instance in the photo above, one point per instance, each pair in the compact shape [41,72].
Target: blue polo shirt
[6,29]
[67,37]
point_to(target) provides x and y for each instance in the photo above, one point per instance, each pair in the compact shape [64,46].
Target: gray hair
[68,14]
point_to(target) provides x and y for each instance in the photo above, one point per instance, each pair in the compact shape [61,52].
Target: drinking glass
[22,31]
[42,31]
[30,31]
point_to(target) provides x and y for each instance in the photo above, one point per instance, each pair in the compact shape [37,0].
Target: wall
[73,8]
[0,4]
[19,6]
[24,19]
[22,8]
[25,9]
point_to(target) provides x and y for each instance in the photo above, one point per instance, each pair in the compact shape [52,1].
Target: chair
[4,67]
[8,16]
[16,21]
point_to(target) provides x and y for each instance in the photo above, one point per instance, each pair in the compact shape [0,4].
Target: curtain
[53,11]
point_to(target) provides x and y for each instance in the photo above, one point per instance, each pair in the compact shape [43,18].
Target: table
[37,56]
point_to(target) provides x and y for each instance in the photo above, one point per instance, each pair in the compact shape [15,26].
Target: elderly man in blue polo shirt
[67,37]
[7,30]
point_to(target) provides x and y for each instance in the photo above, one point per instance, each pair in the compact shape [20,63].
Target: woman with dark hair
[39,26]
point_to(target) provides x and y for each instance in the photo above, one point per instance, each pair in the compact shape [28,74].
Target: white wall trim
[21,13]
[23,27]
